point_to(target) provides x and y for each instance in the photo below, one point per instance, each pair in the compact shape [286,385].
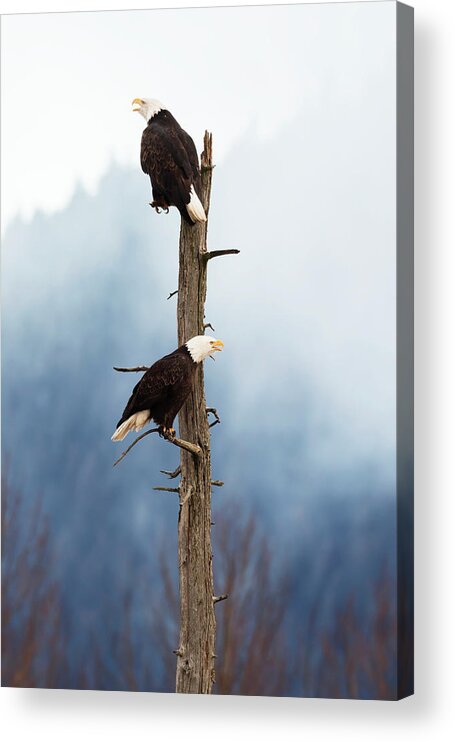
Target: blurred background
[301,102]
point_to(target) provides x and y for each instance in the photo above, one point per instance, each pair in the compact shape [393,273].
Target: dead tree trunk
[196,652]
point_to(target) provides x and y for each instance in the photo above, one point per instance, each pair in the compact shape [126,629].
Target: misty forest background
[304,528]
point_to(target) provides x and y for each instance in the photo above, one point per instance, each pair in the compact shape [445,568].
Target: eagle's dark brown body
[169,157]
[163,388]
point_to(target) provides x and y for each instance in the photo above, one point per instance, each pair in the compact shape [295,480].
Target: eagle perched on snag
[169,157]
[163,389]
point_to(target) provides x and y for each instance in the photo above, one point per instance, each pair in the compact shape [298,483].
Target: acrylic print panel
[108,581]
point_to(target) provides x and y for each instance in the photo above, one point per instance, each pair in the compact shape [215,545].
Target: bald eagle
[169,157]
[163,389]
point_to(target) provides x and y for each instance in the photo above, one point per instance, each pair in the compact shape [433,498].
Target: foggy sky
[301,101]
[65,116]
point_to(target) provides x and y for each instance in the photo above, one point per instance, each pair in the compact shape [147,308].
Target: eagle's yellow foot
[167,432]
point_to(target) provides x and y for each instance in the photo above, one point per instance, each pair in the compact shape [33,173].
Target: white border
[72,716]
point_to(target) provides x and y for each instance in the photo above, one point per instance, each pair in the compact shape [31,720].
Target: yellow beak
[137,104]
[218,344]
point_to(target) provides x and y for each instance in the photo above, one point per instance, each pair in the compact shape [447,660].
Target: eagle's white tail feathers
[135,422]
[122,431]
[195,209]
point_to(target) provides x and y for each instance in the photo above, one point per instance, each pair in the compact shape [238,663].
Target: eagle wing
[190,148]
[156,383]
[168,155]
[164,156]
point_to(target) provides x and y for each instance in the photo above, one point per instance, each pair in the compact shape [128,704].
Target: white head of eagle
[147,107]
[163,389]
[169,158]
[202,346]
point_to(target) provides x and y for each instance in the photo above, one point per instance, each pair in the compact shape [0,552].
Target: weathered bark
[196,652]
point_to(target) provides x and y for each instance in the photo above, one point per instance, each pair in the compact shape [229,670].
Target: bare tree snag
[191,447]
[132,369]
[196,652]
[195,655]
